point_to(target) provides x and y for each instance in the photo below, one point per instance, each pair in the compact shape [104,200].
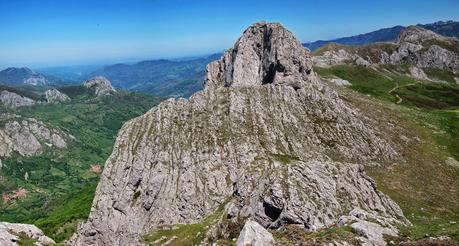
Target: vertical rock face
[265,54]
[265,137]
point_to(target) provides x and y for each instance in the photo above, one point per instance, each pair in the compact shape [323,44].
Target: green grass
[25,240]
[60,184]
[363,80]
[441,74]
[425,187]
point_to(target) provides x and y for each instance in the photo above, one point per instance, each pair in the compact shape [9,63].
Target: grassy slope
[424,186]
[60,185]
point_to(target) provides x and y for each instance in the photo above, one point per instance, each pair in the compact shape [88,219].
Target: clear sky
[44,32]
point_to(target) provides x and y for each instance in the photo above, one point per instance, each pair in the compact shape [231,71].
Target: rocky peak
[101,85]
[265,139]
[13,100]
[416,34]
[267,53]
[54,95]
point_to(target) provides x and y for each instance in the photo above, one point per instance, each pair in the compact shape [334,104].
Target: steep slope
[445,28]
[265,140]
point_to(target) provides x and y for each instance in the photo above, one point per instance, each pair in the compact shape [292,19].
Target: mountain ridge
[445,28]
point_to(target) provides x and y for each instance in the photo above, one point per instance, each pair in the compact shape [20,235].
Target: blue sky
[49,33]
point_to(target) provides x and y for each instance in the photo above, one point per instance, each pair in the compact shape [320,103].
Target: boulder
[253,234]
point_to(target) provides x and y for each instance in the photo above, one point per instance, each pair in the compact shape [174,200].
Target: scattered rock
[333,58]
[372,233]
[452,162]
[253,234]
[418,74]
[13,100]
[341,82]
[101,85]
[431,241]
[53,96]
[10,234]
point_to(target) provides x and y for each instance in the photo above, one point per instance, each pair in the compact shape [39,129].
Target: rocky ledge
[13,234]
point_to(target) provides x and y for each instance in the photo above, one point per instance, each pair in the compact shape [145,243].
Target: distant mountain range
[26,77]
[445,28]
[167,78]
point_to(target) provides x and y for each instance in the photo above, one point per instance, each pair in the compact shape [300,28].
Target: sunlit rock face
[265,138]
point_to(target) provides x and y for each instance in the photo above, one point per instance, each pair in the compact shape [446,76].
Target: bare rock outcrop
[10,234]
[28,136]
[255,235]
[417,34]
[101,86]
[13,100]
[55,96]
[415,46]
[266,137]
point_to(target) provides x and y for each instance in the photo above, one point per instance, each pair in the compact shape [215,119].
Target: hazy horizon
[40,34]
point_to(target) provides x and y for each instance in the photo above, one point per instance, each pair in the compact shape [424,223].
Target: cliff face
[266,139]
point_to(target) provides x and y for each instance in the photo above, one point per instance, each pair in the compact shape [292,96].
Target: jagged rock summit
[101,85]
[54,96]
[265,54]
[266,140]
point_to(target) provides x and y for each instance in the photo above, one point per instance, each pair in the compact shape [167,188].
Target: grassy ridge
[425,186]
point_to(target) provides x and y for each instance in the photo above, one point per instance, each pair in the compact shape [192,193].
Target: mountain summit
[22,76]
[266,145]
[265,54]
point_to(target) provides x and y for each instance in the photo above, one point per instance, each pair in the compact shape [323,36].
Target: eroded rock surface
[415,46]
[10,234]
[54,96]
[255,235]
[28,136]
[101,86]
[13,100]
[266,137]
